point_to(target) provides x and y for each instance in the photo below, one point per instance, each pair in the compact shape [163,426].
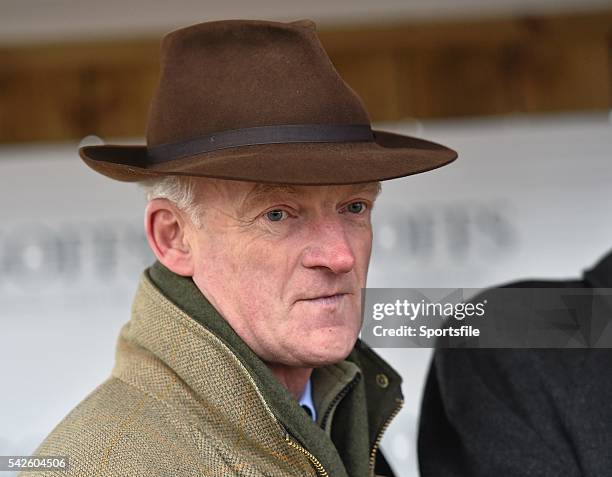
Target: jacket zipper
[400,403]
[293,442]
[315,462]
[290,441]
[338,398]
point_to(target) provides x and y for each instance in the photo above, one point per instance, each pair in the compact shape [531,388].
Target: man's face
[285,265]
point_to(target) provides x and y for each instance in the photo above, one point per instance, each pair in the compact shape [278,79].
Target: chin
[331,351]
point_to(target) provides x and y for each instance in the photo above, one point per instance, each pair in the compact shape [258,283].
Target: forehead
[241,195]
[263,190]
[260,192]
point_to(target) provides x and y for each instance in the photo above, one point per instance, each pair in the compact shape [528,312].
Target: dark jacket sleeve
[517,413]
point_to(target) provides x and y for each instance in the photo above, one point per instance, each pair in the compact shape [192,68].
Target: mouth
[325,300]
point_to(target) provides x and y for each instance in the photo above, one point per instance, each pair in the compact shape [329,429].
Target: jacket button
[382,380]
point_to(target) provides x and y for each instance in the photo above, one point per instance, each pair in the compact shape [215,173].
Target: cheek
[258,275]
[362,247]
[365,248]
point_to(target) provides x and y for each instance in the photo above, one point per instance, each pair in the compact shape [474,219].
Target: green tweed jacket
[187,397]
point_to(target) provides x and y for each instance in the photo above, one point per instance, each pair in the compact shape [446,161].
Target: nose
[330,248]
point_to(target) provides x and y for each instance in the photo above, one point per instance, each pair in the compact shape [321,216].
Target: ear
[167,234]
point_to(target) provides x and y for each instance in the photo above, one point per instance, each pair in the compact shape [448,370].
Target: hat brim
[389,156]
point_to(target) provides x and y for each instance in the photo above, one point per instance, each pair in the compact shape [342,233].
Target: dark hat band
[261,135]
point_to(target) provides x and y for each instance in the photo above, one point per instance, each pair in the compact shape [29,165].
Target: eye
[276,215]
[356,207]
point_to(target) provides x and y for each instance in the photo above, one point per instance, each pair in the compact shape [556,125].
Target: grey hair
[181,190]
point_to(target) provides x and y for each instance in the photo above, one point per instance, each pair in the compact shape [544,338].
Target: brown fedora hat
[260,101]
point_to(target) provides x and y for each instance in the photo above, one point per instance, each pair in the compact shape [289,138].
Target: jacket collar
[375,381]
[170,357]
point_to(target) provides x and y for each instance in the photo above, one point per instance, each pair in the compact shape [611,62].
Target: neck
[294,379]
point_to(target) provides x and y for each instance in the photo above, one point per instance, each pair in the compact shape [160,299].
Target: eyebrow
[263,191]
[367,187]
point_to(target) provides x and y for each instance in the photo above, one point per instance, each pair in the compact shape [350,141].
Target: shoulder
[504,364]
[119,429]
[528,379]
[501,400]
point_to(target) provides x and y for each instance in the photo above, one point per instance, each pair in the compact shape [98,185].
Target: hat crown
[234,74]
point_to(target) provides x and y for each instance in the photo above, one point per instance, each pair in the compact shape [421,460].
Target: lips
[325,298]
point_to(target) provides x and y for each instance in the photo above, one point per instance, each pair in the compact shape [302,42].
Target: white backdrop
[528,197]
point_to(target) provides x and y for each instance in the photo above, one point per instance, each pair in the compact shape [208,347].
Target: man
[262,170]
[536,412]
